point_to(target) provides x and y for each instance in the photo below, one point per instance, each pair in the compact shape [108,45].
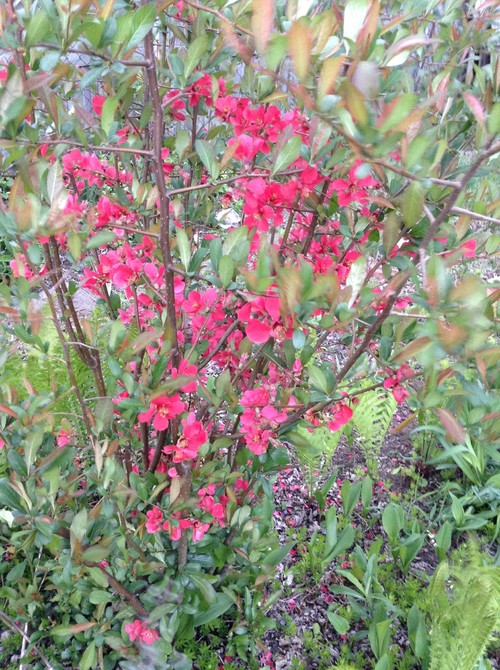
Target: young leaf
[108,114]
[183,247]
[412,204]
[221,605]
[141,23]
[194,54]
[206,153]
[262,23]
[288,154]
[299,47]
[356,278]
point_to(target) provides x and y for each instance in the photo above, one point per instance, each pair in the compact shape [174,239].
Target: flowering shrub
[251,257]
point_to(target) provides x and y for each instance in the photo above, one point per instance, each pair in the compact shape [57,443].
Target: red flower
[97,104]
[342,415]
[163,409]
[138,630]
[155,520]
[353,189]
[258,332]
[187,447]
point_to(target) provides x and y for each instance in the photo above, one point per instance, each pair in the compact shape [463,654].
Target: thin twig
[13,626]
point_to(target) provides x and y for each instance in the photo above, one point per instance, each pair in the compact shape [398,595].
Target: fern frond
[465,612]
[314,450]
[371,419]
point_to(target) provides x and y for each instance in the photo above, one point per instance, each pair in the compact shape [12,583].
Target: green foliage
[372,418]
[159,511]
[464,606]
[314,448]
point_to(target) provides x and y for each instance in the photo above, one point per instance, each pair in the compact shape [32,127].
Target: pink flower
[258,332]
[134,629]
[63,438]
[469,248]
[194,435]
[162,410]
[155,520]
[342,415]
[354,188]
[199,530]
[97,103]
[138,630]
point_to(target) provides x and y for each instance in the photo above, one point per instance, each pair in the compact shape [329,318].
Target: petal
[160,422]
[258,332]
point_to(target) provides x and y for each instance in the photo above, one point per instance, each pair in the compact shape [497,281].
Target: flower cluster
[259,419]
[137,630]
[393,382]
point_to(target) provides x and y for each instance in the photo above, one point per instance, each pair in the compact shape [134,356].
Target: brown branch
[119,588]
[164,200]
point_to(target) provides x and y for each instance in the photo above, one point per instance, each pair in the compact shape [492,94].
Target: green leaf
[55,183]
[11,92]
[288,154]
[108,114]
[96,597]
[356,278]
[226,270]
[182,142]
[350,494]
[331,530]
[392,521]
[79,524]
[215,253]
[38,28]
[278,555]
[399,111]
[204,587]
[391,231]
[366,491]
[89,657]
[32,445]
[207,156]
[354,16]
[262,23]
[344,542]
[74,243]
[49,60]
[8,496]
[412,204]
[183,247]
[443,539]
[340,623]
[298,338]
[222,604]
[96,554]
[318,379]
[234,240]
[99,239]
[142,21]
[493,122]
[196,50]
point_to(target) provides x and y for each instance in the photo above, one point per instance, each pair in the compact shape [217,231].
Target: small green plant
[319,552]
[404,549]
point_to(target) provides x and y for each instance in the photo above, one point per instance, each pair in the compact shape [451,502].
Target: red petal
[258,332]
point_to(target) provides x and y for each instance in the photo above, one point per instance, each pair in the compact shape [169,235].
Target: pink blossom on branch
[162,410]
[342,415]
